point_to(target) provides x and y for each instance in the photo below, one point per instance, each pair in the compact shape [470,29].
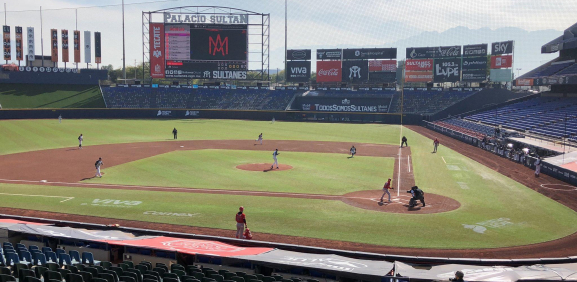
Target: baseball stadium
[238,149]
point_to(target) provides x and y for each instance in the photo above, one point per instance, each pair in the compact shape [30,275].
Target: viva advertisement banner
[19,50]
[474,75]
[299,71]
[157,50]
[77,46]
[329,71]
[97,48]
[30,42]
[65,56]
[6,41]
[54,45]
[474,63]
[501,62]
[475,50]
[87,48]
[355,71]
[500,48]
[419,65]
[447,70]
[418,76]
[500,75]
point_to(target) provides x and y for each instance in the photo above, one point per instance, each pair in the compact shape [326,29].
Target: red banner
[501,62]
[156,50]
[19,50]
[329,71]
[525,82]
[54,45]
[65,55]
[383,65]
[77,46]
[419,65]
[418,76]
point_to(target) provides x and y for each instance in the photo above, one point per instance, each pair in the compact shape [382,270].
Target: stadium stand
[185,98]
[427,102]
[13,96]
[467,127]
[571,70]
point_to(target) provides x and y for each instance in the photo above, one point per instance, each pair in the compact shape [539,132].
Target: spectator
[458,277]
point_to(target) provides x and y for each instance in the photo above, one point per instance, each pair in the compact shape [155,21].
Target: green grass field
[14,96]
[508,213]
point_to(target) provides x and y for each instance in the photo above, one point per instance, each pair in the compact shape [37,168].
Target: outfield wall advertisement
[344,104]
[329,71]
[299,71]
[447,70]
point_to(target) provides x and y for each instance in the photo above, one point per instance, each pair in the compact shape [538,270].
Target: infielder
[274,154]
[240,223]
[259,138]
[353,151]
[386,189]
[98,164]
[80,139]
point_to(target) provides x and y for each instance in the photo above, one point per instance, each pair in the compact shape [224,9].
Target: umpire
[417,194]
[404,141]
[175,133]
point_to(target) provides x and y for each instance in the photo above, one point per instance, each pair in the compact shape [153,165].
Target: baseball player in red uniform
[240,223]
[435,144]
[386,189]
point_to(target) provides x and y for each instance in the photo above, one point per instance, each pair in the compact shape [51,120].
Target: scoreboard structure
[211,43]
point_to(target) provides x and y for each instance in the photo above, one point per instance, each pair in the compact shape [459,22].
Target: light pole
[518,70]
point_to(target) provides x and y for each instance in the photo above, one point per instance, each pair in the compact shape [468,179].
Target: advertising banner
[500,48]
[65,56]
[156,50]
[501,62]
[420,53]
[54,44]
[30,42]
[329,71]
[474,63]
[419,65]
[97,48]
[6,37]
[475,50]
[383,65]
[298,55]
[77,46]
[329,54]
[344,103]
[19,52]
[355,71]
[447,70]
[474,75]
[87,47]
[369,53]
[524,82]
[418,76]
[448,52]
[204,69]
[500,75]
[299,71]
[382,76]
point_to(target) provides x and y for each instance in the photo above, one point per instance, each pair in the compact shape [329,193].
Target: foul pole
[401,134]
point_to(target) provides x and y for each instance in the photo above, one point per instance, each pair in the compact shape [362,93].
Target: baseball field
[320,196]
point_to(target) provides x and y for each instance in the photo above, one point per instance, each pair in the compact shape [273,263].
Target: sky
[314,23]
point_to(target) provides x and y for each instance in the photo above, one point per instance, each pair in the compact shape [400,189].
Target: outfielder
[386,189]
[435,144]
[259,138]
[80,139]
[98,164]
[274,154]
[240,223]
[60,119]
[353,151]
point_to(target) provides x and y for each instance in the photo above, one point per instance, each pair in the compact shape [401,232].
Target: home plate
[43,181]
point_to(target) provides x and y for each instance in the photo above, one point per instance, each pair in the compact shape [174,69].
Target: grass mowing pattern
[27,96]
[313,173]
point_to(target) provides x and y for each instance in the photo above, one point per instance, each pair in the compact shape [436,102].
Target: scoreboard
[203,51]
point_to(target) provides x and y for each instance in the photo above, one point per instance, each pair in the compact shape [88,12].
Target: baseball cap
[459,274]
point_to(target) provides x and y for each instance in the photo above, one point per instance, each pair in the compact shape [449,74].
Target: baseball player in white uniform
[80,139]
[60,119]
[274,155]
[259,139]
[98,164]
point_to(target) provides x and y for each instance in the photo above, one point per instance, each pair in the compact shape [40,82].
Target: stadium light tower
[285,41]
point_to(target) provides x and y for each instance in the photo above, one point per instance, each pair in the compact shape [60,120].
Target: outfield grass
[313,173]
[509,213]
[29,135]
[50,96]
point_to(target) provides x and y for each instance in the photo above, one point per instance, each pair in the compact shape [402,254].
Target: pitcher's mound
[263,167]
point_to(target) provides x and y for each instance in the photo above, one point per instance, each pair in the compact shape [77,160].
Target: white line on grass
[444,160]
[44,196]
[409,162]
